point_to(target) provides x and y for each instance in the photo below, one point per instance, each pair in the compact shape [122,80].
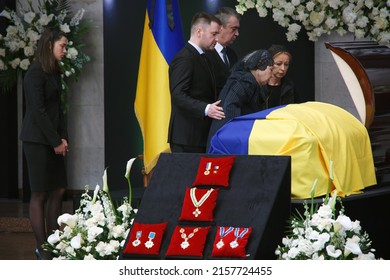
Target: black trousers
[177,148]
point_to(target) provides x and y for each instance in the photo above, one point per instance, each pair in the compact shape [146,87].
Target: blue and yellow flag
[162,39]
[324,142]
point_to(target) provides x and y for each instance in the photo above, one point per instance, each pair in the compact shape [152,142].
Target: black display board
[258,196]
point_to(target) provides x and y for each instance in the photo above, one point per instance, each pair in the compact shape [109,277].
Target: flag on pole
[162,39]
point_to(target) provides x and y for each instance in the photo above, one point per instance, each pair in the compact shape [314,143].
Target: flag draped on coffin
[323,140]
[162,38]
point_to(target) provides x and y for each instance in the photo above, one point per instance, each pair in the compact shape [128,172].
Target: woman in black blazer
[44,136]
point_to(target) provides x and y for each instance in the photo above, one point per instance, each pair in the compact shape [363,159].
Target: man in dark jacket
[223,57]
[193,88]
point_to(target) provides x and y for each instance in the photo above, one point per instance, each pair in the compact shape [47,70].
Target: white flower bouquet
[363,18]
[18,45]
[325,235]
[97,230]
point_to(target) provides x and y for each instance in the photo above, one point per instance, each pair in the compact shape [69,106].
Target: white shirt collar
[196,47]
[218,47]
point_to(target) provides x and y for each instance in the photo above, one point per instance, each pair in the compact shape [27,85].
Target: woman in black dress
[44,136]
[280,90]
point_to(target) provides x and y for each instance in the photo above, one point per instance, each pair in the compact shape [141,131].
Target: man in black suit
[223,56]
[193,88]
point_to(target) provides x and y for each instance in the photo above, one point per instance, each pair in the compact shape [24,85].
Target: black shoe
[38,254]
[43,255]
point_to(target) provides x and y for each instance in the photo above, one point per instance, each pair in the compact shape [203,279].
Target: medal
[198,203]
[222,234]
[234,243]
[185,244]
[138,235]
[149,244]
[208,167]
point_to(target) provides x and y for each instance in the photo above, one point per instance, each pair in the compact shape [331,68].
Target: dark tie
[224,56]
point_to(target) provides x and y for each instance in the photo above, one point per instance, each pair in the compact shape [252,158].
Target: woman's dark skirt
[46,169]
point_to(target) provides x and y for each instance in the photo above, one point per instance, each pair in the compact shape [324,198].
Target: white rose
[72,53]
[262,12]
[359,33]
[24,64]
[296,2]
[331,23]
[65,28]
[15,63]
[33,35]
[317,18]
[249,4]
[12,31]
[28,51]
[310,6]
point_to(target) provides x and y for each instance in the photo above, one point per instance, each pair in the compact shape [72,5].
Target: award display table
[255,204]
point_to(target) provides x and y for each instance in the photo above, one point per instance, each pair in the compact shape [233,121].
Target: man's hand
[216,112]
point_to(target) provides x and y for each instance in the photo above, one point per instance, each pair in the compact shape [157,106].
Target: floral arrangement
[97,230]
[17,47]
[324,235]
[363,18]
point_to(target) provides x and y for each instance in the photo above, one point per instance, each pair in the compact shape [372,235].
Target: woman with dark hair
[280,90]
[44,136]
[243,93]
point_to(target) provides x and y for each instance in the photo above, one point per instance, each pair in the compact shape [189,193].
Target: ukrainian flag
[324,142]
[162,38]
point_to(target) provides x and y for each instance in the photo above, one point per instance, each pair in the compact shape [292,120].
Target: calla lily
[106,190]
[67,219]
[105,184]
[75,242]
[128,168]
[54,238]
[127,176]
[95,194]
[312,193]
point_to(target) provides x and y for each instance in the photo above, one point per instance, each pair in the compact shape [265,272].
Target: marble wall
[86,106]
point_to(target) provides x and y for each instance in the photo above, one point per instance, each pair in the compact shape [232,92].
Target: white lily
[127,176]
[95,194]
[105,184]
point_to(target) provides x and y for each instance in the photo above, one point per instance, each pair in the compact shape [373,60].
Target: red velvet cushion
[231,246]
[195,238]
[214,171]
[145,239]
[205,210]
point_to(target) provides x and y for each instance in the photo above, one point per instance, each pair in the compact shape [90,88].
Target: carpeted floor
[12,224]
